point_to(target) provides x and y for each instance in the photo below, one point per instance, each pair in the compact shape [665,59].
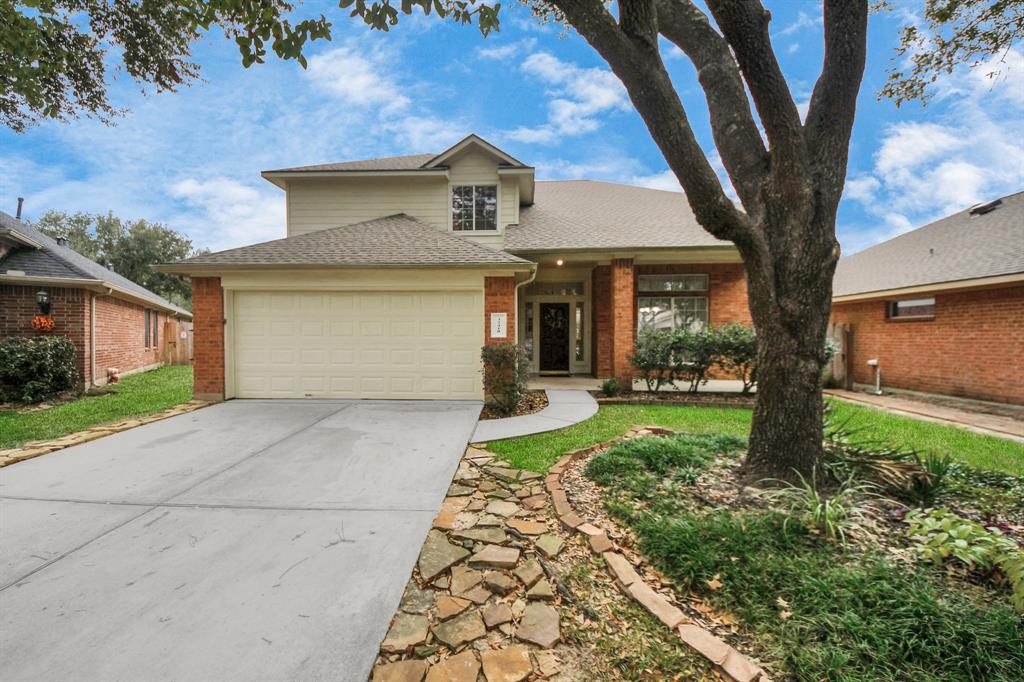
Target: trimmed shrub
[506,370]
[652,356]
[610,387]
[737,346]
[695,353]
[32,370]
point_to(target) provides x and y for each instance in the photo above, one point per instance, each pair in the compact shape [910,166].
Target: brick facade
[622,285]
[499,297]
[614,325]
[120,327]
[121,336]
[208,339]
[70,311]
[970,348]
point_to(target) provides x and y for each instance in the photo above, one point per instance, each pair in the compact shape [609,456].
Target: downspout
[515,300]
[92,335]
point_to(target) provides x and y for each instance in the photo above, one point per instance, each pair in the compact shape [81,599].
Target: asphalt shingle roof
[387,163]
[958,247]
[587,214]
[393,240]
[54,260]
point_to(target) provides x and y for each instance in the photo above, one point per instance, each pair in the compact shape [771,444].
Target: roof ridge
[63,255]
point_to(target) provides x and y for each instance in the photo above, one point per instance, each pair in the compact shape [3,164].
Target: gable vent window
[474,208]
[916,308]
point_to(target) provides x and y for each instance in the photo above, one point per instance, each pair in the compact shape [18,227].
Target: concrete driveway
[251,540]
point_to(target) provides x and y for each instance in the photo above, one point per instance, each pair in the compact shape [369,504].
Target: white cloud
[803,20]
[503,52]
[230,212]
[862,188]
[924,170]
[580,96]
[358,75]
[665,180]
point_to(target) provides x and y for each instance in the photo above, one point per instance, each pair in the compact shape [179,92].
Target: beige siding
[474,167]
[320,203]
[509,202]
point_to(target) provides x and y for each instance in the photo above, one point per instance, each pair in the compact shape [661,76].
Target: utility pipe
[515,301]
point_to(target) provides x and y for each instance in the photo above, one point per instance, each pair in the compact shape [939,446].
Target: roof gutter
[208,269]
[95,285]
[280,178]
[956,285]
[515,302]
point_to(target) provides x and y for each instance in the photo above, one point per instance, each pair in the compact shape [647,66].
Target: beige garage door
[338,344]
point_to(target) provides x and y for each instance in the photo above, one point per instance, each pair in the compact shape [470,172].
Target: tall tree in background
[954,33]
[789,178]
[129,248]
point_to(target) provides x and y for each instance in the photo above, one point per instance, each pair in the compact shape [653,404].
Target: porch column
[500,297]
[623,318]
[208,338]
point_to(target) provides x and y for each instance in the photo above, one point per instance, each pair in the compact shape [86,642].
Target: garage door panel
[358,344]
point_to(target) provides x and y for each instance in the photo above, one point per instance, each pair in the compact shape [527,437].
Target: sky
[192,159]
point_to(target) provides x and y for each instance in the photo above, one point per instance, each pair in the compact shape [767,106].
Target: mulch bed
[532,401]
[700,399]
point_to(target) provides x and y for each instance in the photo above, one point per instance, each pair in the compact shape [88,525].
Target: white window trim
[498,229]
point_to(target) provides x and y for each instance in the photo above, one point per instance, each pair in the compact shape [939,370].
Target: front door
[554,337]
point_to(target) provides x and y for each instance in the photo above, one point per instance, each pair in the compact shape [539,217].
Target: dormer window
[474,208]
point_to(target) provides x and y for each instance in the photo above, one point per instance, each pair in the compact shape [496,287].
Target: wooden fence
[178,349]
[838,369]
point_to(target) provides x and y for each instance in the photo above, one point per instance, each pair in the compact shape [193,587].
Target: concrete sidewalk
[565,408]
[250,540]
[988,424]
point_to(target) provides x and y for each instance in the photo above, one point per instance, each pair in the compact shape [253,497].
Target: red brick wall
[971,348]
[208,338]
[601,334]
[499,297]
[120,336]
[70,311]
[623,327]
[727,302]
[727,289]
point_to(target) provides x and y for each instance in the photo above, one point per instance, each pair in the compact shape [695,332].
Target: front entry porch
[580,319]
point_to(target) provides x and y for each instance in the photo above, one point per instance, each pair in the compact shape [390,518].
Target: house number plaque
[499,325]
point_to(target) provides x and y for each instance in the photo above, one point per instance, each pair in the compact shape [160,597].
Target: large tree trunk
[786,434]
[789,182]
[790,303]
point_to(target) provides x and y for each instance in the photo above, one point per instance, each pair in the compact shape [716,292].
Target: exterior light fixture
[43,300]
[559,262]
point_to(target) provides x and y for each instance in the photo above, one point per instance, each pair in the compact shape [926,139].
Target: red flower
[42,323]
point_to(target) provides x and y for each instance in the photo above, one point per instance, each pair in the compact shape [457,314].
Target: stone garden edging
[735,665]
[45,447]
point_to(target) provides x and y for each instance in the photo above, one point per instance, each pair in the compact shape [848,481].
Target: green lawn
[136,395]
[539,452]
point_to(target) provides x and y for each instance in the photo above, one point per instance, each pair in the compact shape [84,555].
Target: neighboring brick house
[395,271]
[113,322]
[941,308]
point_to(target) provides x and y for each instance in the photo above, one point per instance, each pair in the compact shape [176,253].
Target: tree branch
[745,25]
[834,100]
[635,60]
[732,123]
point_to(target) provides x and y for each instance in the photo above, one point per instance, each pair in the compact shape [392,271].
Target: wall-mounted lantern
[43,299]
